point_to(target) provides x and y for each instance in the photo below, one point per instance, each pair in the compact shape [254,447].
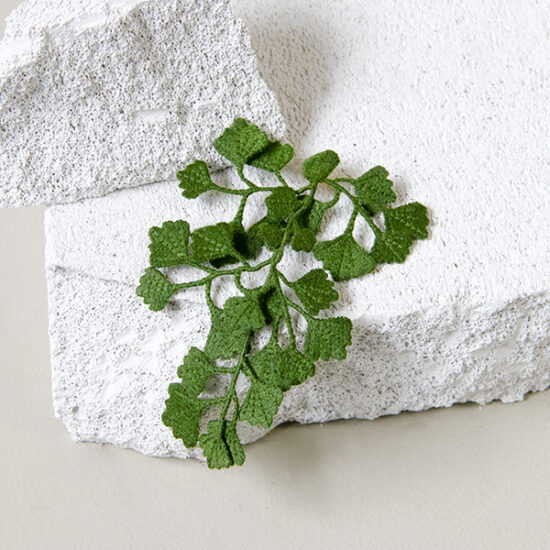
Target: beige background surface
[466,477]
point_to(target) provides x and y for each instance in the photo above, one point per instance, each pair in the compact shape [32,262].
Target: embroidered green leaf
[344,258]
[303,239]
[232,325]
[281,203]
[234,445]
[374,189]
[261,404]
[294,369]
[183,413]
[314,216]
[328,338]
[221,446]
[195,371]
[283,368]
[391,247]
[318,167]
[267,233]
[247,259]
[409,219]
[240,142]
[404,224]
[195,179]
[272,305]
[266,364]
[315,291]
[155,289]
[212,242]
[169,244]
[273,158]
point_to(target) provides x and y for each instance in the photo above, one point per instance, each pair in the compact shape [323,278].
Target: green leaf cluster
[294,218]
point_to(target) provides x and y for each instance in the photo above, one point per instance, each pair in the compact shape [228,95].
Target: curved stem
[250,184]
[228,191]
[299,309]
[231,393]
[240,212]
[357,205]
[281,179]
[208,295]
[292,304]
[351,223]
[286,313]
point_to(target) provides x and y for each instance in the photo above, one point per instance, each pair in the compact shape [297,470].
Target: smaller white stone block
[98,95]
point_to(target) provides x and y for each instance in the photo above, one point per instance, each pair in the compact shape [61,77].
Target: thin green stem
[351,223]
[299,309]
[284,279]
[249,183]
[357,205]
[208,296]
[206,403]
[239,284]
[292,304]
[240,212]
[231,393]
[286,313]
[307,188]
[281,179]
[228,191]
[214,273]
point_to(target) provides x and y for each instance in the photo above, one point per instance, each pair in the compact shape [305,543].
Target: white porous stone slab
[99,95]
[454,100]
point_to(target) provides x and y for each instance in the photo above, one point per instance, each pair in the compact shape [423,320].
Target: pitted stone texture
[98,95]
[457,112]
[112,363]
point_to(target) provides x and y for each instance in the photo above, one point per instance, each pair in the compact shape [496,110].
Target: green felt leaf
[281,203]
[273,158]
[261,404]
[195,371]
[344,258]
[155,289]
[195,179]
[303,239]
[232,325]
[315,291]
[240,142]
[168,245]
[404,224]
[281,368]
[221,445]
[212,242]
[318,167]
[374,189]
[328,338]
[183,413]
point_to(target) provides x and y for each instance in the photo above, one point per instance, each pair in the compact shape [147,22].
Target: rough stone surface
[454,100]
[98,95]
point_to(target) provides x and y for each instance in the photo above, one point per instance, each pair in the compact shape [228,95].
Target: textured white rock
[454,100]
[97,95]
